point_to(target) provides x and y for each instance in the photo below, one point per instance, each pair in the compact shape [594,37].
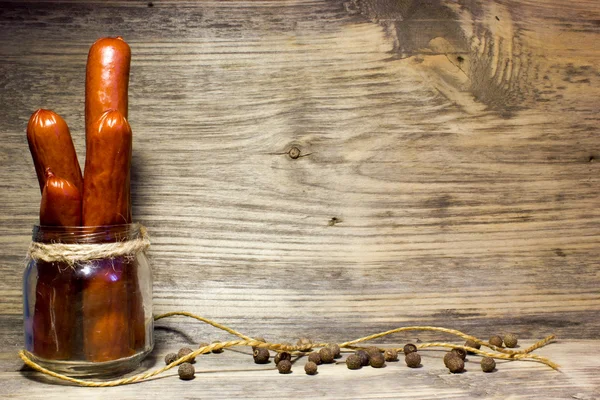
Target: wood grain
[446,166]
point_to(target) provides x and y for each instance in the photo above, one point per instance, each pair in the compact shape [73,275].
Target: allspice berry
[284,366]
[455,364]
[284,355]
[169,358]
[326,355]
[310,368]
[390,355]
[496,341]
[335,349]
[409,348]
[261,355]
[473,344]
[315,357]
[186,371]
[217,351]
[448,356]
[376,360]
[353,362]
[413,359]
[364,357]
[488,364]
[304,342]
[203,344]
[461,353]
[184,351]
[510,340]
[372,350]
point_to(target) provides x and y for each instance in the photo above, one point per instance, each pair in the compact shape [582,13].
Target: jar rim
[85,234]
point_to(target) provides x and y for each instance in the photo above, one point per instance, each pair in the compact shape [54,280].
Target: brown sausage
[61,202]
[55,292]
[106,79]
[107,175]
[51,147]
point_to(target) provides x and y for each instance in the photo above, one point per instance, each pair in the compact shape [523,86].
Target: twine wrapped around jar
[71,253]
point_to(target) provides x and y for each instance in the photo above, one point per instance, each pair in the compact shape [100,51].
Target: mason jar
[87,294]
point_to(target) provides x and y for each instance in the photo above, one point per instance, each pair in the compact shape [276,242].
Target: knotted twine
[71,253]
[500,352]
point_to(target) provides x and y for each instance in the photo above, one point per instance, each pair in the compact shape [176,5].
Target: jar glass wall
[92,317]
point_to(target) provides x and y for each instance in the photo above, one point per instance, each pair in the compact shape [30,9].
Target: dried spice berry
[305,343]
[364,357]
[473,344]
[488,364]
[284,355]
[376,360]
[372,350]
[310,368]
[203,344]
[326,355]
[335,349]
[284,366]
[186,371]
[510,340]
[261,355]
[353,362]
[455,364]
[461,353]
[315,357]
[217,351]
[409,348]
[260,339]
[448,356]
[171,357]
[413,359]
[390,355]
[184,351]
[496,341]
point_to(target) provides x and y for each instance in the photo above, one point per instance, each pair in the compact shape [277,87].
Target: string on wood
[500,353]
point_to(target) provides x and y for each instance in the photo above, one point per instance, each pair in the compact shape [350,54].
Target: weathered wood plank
[447,170]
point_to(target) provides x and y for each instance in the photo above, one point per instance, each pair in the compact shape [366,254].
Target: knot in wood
[294,153]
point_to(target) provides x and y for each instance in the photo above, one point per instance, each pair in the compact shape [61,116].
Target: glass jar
[91,317]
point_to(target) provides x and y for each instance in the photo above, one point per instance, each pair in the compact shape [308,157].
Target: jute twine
[498,352]
[73,253]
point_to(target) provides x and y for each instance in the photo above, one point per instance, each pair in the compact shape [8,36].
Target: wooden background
[333,168]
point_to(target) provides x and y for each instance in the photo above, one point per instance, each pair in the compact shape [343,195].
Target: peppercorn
[456,364]
[376,360]
[305,343]
[171,357]
[315,357]
[473,344]
[284,355]
[510,340]
[364,357]
[284,366]
[390,355]
[488,364]
[310,368]
[203,344]
[261,355]
[461,353]
[372,350]
[184,351]
[448,356]
[259,339]
[353,362]
[217,351]
[326,355]
[409,348]
[413,359]
[335,349]
[496,341]
[186,371]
